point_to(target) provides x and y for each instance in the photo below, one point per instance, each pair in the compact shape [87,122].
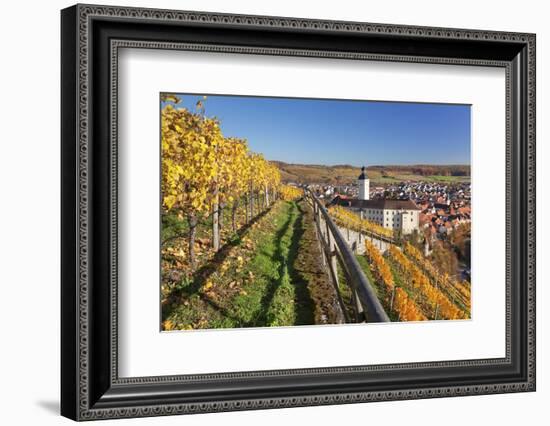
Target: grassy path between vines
[270,276]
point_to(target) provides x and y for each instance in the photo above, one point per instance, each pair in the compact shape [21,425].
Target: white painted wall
[364,190]
[405,220]
[29,236]
[409,221]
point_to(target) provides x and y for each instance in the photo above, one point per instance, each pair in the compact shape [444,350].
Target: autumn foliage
[203,171]
[442,307]
[456,289]
[401,304]
[379,266]
[350,220]
[290,193]
[407,309]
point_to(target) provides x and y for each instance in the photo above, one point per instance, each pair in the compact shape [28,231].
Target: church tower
[363,183]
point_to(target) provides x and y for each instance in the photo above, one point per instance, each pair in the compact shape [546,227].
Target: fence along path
[336,251]
[356,240]
[356,244]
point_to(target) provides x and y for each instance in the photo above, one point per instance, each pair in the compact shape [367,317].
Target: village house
[400,215]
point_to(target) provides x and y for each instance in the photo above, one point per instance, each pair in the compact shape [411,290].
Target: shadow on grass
[286,244]
[278,256]
[204,272]
[303,302]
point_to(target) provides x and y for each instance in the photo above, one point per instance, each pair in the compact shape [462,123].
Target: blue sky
[317,131]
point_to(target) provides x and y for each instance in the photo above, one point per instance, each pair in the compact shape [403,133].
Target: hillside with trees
[343,174]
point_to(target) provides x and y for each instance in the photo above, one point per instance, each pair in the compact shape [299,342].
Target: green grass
[450,179]
[174,226]
[364,263]
[414,294]
[345,292]
[281,311]
[259,290]
[276,306]
[417,178]
[379,288]
[399,281]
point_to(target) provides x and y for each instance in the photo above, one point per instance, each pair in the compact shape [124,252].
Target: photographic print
[280,212]
[325,184]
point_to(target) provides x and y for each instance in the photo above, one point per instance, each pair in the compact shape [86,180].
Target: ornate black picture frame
[91,36]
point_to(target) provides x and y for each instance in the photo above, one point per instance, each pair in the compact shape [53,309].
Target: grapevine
[455,289]
[406,308]
[443,307]
[290,193]
[202,171]
[350,220]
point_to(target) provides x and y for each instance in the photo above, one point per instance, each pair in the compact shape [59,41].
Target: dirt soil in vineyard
[270,274]
[308,268]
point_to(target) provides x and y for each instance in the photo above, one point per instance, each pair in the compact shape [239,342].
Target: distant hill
[343,174]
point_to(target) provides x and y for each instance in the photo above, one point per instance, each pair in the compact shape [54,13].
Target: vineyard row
[203,171]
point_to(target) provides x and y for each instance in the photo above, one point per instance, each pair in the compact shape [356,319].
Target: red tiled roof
[424,218]
[375,204]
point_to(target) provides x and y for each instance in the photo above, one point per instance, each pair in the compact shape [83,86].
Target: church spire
[363,175]
[364,185]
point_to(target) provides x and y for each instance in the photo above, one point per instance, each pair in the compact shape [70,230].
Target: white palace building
[392,214]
